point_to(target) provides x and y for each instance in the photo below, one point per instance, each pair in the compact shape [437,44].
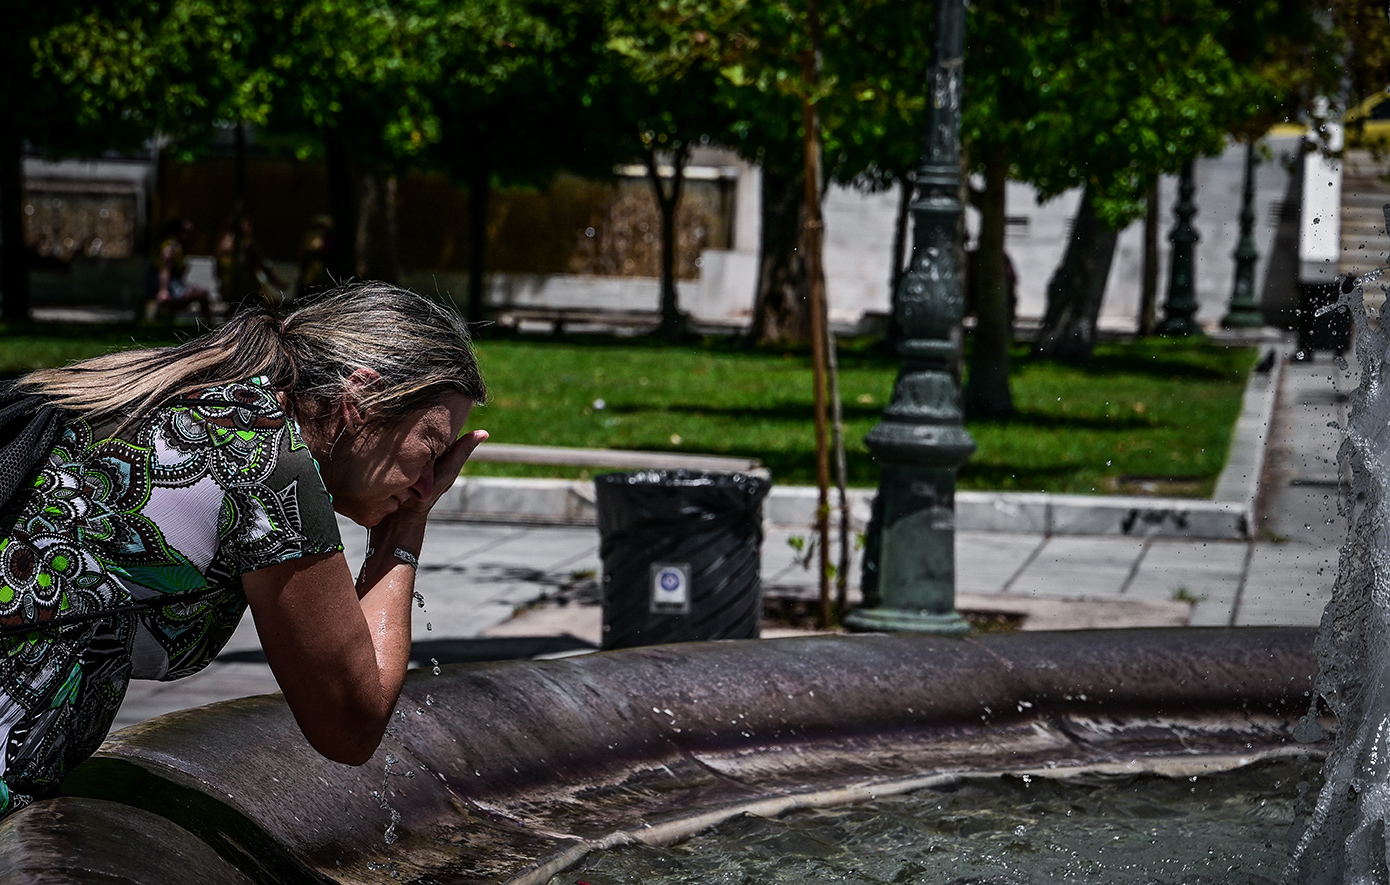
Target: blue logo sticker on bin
[670,588]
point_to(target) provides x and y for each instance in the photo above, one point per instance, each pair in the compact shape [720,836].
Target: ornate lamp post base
[880,620]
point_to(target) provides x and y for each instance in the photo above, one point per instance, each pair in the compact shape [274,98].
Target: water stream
[1345,839]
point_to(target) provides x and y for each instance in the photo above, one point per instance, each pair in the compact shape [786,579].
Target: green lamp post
[921,442]
[1243,312]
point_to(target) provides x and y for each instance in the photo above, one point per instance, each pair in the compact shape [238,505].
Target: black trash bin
[681,552]
[1322,325]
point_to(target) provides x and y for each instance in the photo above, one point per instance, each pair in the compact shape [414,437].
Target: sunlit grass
[1140,413]
[1152,415]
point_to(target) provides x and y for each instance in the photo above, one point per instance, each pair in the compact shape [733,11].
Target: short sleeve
[272,506]
[284,516]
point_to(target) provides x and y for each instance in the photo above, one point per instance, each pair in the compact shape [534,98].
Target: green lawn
[1150,416]
[56,345]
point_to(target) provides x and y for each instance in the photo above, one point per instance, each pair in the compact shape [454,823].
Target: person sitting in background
[169,266]
[244,275]
[314,252]
[189,482]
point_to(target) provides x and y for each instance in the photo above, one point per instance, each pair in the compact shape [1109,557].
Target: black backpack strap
[29,428]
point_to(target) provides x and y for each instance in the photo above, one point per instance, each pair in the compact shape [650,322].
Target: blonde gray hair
[420,349]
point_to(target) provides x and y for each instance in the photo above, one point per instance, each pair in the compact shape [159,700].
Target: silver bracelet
[400,553]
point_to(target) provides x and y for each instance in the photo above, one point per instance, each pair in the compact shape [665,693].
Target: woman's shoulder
[251,404]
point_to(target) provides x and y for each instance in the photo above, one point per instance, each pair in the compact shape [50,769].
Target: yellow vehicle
[1368,124]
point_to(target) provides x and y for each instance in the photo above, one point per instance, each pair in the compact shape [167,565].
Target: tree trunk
[781,313]
[1076,289]
[673,322]
[1148,295]
[479,195]
[987,394]
[812,239]
[376,228]
[342,204]
[240,283]
[14,261]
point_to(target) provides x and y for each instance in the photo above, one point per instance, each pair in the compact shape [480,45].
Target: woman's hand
[446,472]
[339,648]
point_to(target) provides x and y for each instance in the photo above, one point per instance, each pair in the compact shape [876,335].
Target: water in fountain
[1147,829]
[1345,840]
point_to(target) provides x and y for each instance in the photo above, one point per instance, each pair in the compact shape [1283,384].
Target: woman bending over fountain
[185,483]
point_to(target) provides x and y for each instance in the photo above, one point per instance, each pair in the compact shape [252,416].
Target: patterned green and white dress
[133,546]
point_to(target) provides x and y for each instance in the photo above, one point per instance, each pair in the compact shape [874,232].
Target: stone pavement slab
[1210,574]
[1072,567]
[1287,585]
[990,562]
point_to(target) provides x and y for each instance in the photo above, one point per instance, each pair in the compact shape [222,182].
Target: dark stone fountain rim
[522,768]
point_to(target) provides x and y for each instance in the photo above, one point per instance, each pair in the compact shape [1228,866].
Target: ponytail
[127,384]
[420,349]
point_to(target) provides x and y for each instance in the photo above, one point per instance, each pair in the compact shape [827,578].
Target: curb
[1228,515]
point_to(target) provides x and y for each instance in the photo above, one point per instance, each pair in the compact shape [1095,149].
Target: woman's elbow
[352,747]
[350,739]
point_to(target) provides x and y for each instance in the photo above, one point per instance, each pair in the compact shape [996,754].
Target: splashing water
[1344,841]
[389,836]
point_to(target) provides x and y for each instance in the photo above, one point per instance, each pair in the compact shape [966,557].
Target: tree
[1362,28]
[756,48]
[671,88]
[519,94]
[339,71]
[353,76]
[92,76]
[1126,92]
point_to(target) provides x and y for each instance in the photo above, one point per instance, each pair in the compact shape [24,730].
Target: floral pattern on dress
[183,501]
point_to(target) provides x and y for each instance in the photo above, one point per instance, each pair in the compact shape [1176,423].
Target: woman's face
[384,466]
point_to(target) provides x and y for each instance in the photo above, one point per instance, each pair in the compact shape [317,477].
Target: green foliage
[1363,27]
[1106,94]
[510,78]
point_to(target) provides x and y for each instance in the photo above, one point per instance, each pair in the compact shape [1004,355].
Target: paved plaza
[504,591]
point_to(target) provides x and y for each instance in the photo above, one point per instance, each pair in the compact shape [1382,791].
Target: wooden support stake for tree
[837,442]
[812,237]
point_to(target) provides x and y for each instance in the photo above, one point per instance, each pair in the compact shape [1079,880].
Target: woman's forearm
[386,590]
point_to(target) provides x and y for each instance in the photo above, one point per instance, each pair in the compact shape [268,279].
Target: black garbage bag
[681,552]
